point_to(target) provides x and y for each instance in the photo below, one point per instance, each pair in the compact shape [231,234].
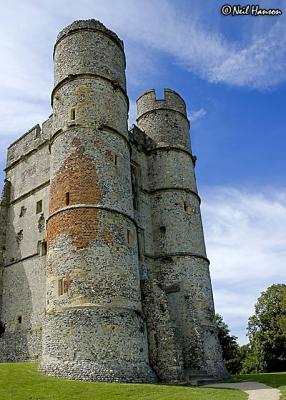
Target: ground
[21,381]
[276,380]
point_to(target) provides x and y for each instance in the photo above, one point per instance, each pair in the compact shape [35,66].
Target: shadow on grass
[273,379]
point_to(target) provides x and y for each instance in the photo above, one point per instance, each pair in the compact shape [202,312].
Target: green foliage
[230,348]
[267,333]
[21,381]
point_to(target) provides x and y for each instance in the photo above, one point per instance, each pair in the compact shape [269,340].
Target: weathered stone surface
[124,292]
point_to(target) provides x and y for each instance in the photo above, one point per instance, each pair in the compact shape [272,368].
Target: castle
[103,268]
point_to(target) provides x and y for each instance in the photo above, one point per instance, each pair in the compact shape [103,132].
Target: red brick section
[77,176]
[79,224]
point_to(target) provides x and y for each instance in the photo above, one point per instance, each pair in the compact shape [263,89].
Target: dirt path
[255,390]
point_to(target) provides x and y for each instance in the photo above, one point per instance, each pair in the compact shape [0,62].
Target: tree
[229,345]
[267,332]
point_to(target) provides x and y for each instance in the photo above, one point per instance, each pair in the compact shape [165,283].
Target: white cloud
[257,62]
[261,64]
[195,115]
[245,235]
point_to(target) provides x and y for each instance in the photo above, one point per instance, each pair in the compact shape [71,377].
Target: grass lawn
[21,381]
[276,380]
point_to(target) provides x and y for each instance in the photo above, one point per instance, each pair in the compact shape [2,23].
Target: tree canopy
[229,345]
[267,332]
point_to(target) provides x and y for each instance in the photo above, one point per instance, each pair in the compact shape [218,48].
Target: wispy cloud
[245,236]
[195,115]
[258,62]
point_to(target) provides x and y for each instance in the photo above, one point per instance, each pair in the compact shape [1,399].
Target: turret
[178,267]
[93,329]
[165,120]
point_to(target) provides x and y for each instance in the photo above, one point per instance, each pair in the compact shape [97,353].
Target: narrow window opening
[2,328]
[135,186]
[140,243]
[67,198]
[44,247]
[39,206]
[163,229]
[128,236]
[61,286]
[22,211]
[19,319]
[20,236]
[115,159]
[185,206]
[72,115]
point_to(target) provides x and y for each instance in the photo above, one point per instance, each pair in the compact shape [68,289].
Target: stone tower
[93,327]
[179,277]
[103,268]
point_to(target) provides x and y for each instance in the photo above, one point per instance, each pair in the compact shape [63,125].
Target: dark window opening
[19,319]
[39,206]
[128,236]
[163,229]
[20,236]
[42,248]
[67,198]
[140,243]
[115,159]
[134,183]
[2,328]
[185,206]
[73,114]
[22,211]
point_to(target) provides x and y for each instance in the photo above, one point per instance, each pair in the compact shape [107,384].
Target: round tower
[93,327]
[179,263]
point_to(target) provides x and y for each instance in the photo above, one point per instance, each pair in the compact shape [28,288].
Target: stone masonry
[103,268]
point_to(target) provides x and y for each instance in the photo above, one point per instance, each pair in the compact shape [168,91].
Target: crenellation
[101,238]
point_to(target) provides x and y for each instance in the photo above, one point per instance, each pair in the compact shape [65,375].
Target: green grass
[276,380]
[22,381]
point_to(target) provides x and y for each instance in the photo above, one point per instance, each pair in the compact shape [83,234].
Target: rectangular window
[42,248]
[67,198]
[115,159]
[129,236]
[72,114]
[39,206]
[135,187]
[61,287]
[141,243]
[22,211]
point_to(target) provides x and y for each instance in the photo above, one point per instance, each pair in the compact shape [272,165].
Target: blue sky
[231,72]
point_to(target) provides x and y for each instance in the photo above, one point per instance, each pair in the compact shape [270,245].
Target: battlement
[28,142]
[89,24]
[148,102]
